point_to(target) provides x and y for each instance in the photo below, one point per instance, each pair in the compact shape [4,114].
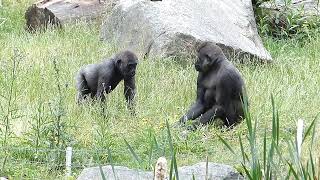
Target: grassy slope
[165,91]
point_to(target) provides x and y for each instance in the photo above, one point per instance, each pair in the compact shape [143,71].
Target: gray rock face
[310,7]
[215,172]
[122,173]
[175,27]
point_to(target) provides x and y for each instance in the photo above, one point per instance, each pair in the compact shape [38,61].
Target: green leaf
[292,170]
[313,169]
[247,172]
[175,166]
[244,155]
[132,152]
[310,128]
[226,144]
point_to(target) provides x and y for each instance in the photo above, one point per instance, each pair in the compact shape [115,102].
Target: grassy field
[37,110]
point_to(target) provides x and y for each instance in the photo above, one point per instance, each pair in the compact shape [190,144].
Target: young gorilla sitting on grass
[219,88]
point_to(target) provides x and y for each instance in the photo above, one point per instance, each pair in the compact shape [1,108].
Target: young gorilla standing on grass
[97,79]
[219,88]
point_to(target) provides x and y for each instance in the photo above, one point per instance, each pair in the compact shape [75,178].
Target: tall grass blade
[265,150]
[101,173]
[175,166]
[193,178]
[275,121]
[150,152]
[310,128]
[156,142]
[292,170]
[169,138]
[173,154]
[288,175]
[151,147]
[132,152]
[171,169]
[111,162]
[207,168]
[319,168]
[247,114]
[270,159]
[226,144]
[243,153]
[247,171]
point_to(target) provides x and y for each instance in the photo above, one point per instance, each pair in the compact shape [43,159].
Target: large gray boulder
[175,27]
[305,7]
[215,172]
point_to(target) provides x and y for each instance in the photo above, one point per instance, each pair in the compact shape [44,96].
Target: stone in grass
[215,172]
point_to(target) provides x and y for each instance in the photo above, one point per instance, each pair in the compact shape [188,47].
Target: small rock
[215,172]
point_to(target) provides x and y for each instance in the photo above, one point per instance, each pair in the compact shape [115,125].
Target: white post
[68,161]
[299,135]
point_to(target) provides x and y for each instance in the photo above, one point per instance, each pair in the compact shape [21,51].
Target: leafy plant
[8,103]
[285,23]
[266,167]
[56,130]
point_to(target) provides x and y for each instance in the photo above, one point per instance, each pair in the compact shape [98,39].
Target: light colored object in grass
[299,135]
[215,171]
[3,178]
[68,161]
[175,27]
[161,168]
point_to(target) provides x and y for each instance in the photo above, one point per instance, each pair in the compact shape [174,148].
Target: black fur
[95,80]
[219,88]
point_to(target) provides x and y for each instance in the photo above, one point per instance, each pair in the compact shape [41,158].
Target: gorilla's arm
[215,112]
[103,87]
[107,77]
[195,111]
[198,107]
[129,90]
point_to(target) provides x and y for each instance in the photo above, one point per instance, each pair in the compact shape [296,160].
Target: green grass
[165,90]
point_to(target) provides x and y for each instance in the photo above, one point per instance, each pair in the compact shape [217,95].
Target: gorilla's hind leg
[83,89]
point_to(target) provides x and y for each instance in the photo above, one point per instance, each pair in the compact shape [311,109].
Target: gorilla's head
[209,54]
[126,63]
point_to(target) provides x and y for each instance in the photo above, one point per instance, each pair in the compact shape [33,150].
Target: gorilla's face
[127,64]
[203,63]
[208,55]
[130,68]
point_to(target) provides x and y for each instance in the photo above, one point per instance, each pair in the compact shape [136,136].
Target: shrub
[288,22]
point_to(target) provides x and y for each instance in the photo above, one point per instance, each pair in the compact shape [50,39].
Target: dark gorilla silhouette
[95,80]
[219,88]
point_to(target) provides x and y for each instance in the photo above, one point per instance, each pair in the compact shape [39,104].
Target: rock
[122,173]
[309,7]
[174,27]
[59,12]
[215,172]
